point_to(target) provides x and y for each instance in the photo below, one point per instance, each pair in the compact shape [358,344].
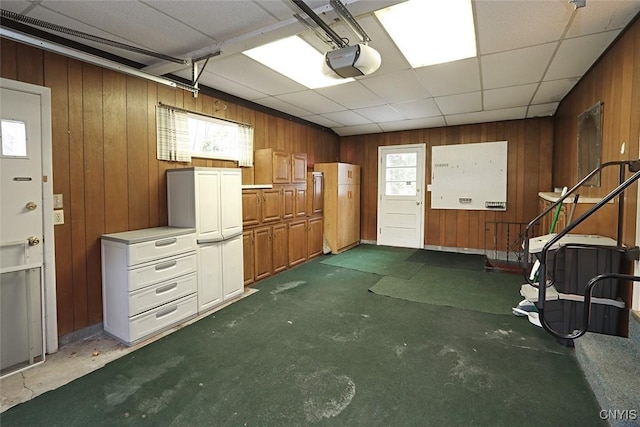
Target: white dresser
[149,281]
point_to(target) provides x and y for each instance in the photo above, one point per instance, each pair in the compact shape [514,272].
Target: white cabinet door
[208,205]
[231,202]
[209,275]
[232,267]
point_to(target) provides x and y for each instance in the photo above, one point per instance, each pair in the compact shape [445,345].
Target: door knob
[31,206]
[33,240]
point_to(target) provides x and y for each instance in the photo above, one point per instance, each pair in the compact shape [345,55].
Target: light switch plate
[57,201]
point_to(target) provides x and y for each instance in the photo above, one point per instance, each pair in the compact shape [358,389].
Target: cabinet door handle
[166,288]
[166,265]
[167,312]
[257,198]
[166,242]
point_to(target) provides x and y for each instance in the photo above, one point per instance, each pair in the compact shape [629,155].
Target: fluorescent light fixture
[430,32]
[296,59]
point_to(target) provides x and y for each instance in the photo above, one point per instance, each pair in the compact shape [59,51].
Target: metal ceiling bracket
[339,41]
[348,19]
[195,74]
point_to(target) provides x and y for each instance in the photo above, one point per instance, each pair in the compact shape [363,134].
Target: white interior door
[27,261]
[401,180]
[21,231]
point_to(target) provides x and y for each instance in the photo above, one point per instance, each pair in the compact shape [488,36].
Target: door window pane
[14,138]
[400,174]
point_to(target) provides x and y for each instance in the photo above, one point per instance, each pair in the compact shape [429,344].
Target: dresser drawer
[155,295]
[142,252]
[161,271]
[162,317]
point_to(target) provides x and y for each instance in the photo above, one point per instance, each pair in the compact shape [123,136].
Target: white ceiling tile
[347,118]
[432,122]
[311,101]
[381,113]
[225,85]
[599,16]
[351,95]
[138,21]
[244,70]
[507,25]
[515,67]
[553,91]
[576,55]
[392,59]
[507,97]
[285,107]
[487,116]
[357,130]
[452,77]
[399,86]
[233,18]
[418,109]
[15,6]
[462,103]
[322,121]
[542,110]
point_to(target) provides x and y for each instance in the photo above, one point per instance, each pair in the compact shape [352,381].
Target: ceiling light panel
[296,59]
[429,32]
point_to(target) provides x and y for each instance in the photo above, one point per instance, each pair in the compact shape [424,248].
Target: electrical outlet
[57,201]
[58,217]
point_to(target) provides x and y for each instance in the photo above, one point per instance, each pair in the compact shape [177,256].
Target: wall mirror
[590,143]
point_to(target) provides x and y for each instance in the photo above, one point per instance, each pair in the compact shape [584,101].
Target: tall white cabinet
[210,201]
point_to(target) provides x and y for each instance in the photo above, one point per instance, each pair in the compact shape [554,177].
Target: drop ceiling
[530,54]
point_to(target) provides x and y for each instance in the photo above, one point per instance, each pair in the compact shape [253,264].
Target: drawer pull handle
[166,265]
[166,288]
[165,313]
[166,242]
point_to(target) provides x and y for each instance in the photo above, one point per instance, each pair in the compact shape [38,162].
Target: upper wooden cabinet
[299,168]
[261,206]
[279,167]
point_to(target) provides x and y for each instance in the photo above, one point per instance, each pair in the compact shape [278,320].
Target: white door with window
[401,181]
[23,227]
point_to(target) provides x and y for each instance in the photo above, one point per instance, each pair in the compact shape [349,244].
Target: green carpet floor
[314,347]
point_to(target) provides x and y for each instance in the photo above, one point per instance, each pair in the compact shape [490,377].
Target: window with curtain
[172,134]
[182,135]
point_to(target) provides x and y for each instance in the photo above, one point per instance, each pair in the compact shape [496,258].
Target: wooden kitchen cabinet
[280,248]
[297,242]
[279,167]
[298,168]
[341,207]
[301,201]
[261,206]
[315,196]
[248,259]
[288,202]
[262,255]
[314,237]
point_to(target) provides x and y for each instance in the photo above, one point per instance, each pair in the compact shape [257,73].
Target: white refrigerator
[210,200]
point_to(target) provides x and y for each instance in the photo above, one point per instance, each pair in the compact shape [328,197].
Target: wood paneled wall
[105,166]
[528,172]
[614,80]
